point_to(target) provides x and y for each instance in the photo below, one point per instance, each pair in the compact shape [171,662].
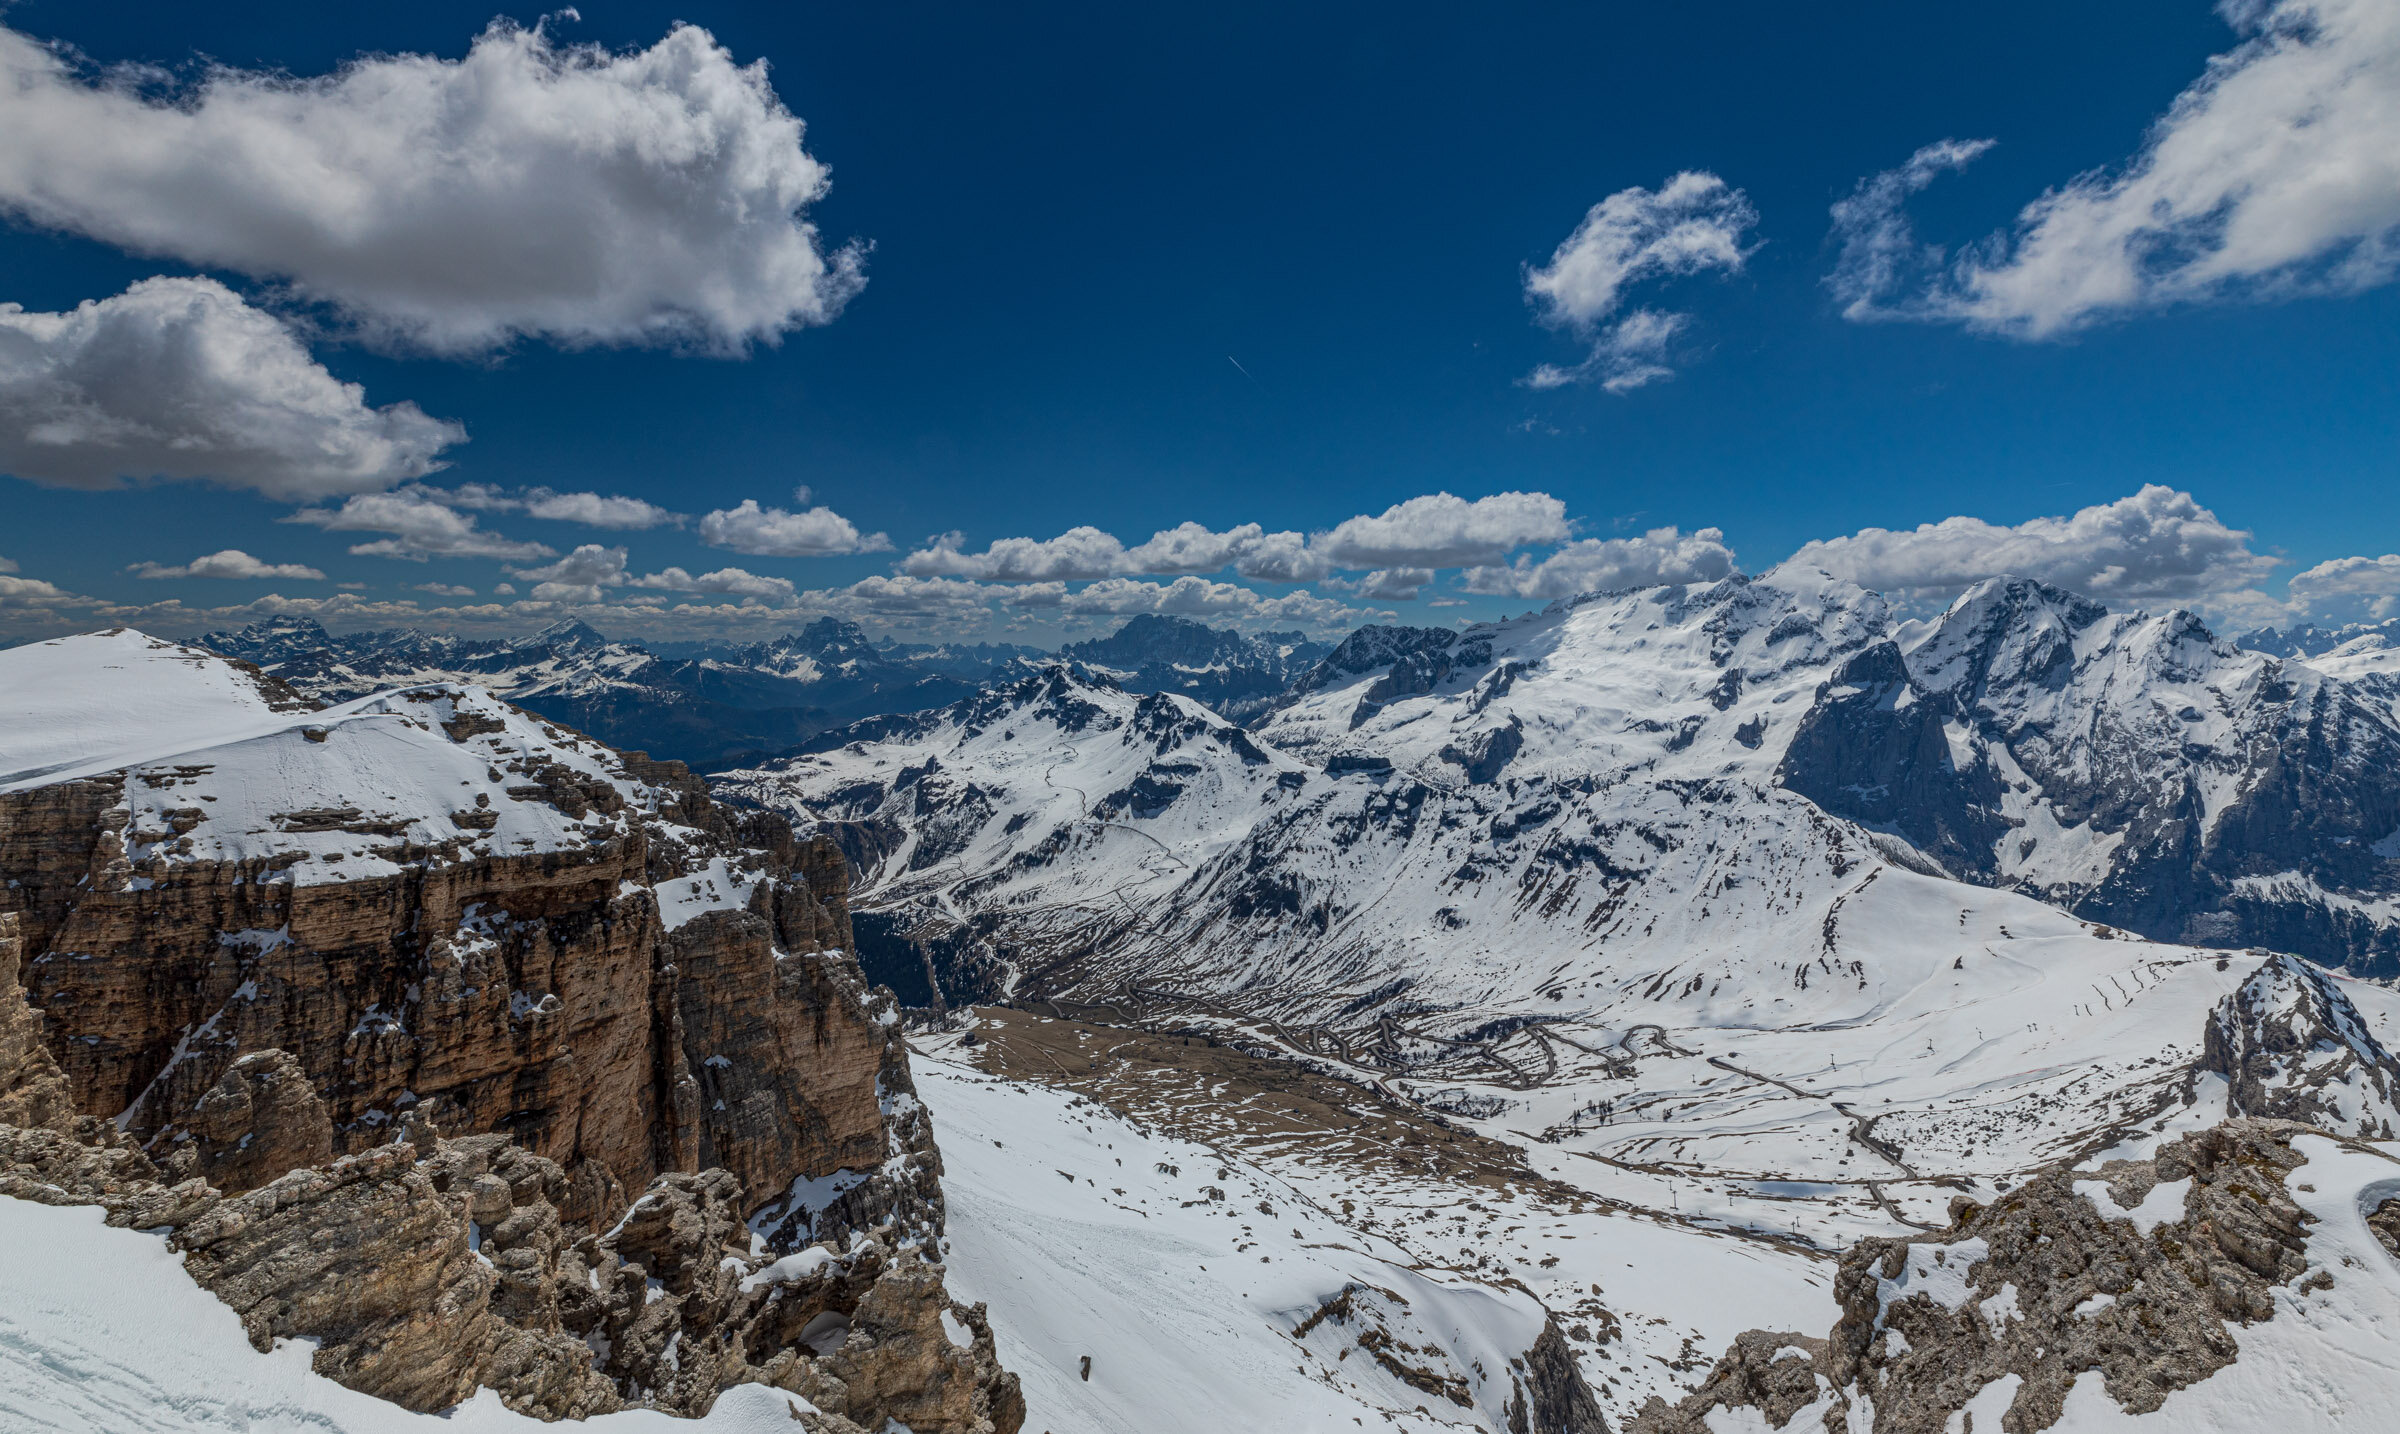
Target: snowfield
[223,767]
[1159,1260]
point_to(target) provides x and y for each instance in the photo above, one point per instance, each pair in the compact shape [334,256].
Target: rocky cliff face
[426,1268]
[389,976]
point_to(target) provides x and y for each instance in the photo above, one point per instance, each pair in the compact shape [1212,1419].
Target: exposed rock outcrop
[425,1268]
[261,1118]
[2291,1046]
[2133,768]
[2138,1269]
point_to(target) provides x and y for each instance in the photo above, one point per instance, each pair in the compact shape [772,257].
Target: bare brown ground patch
[1201,1089]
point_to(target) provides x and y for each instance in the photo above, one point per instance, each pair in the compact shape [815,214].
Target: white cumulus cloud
[774,533]
[229,563]
[2356,589]
[2276,173]
[1075,555]
[577,577]
[1662,555]
[2157,544]
[1693,223]
[596,510]
[1394,584]
[181,379]
[528,189]
[730,582]
[1083,553]
[1880,254]
[32,593]
[1441,530]
[1625,356]
[1184,597]
[421,526]
[1433,530]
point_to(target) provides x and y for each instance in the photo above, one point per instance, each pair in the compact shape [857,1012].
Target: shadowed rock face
[33,1090]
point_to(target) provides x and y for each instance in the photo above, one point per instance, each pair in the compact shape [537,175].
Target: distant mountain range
[1231,673]
[720,705]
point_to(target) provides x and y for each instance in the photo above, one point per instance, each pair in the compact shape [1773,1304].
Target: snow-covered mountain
[2132,768]
[2308,640]
[1677,897]
[1235,674]
[1629,810]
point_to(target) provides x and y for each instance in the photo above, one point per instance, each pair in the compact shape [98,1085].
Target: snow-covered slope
[1564,856]
[1068,801]
[222,766]
[113,697]
[1207,1294]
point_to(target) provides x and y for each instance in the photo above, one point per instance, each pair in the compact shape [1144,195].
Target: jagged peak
[1151,637]
[2008,628]
[568,632]
[1371,647]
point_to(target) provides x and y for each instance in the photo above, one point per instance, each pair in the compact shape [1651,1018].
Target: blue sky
[1130,270]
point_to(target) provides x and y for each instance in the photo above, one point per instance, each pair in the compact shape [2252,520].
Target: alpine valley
[1700,1007]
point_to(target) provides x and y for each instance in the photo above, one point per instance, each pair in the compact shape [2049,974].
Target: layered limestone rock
[268,976]
[493,959]
[2139,1269]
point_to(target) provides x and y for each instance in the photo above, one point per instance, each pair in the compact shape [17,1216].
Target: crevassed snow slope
[102,1332]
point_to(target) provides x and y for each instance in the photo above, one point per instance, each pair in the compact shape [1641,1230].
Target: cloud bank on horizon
[2158,547]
